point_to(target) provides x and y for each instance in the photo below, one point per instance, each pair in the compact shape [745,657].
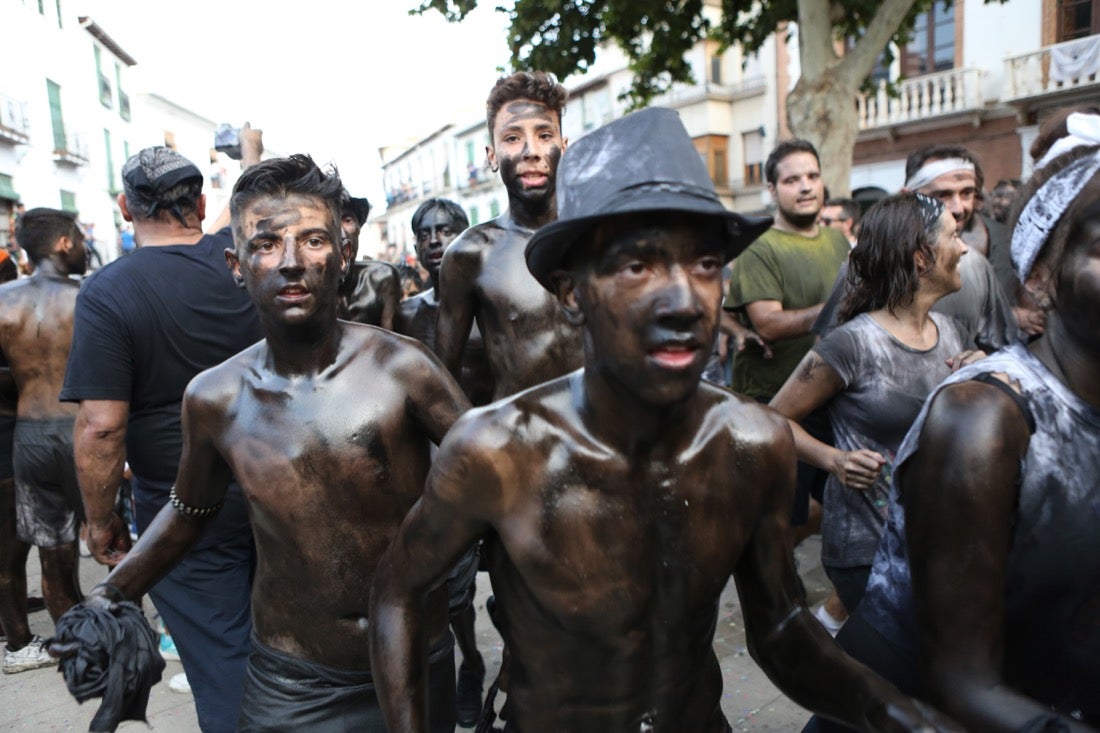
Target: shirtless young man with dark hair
[483,275]
[329,468]
[36,330]
[617,501]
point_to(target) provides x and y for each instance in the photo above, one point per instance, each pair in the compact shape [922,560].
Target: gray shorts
[48,505]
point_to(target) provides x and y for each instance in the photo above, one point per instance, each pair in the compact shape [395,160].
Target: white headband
[1083,130]
[931,171]
[1045,208]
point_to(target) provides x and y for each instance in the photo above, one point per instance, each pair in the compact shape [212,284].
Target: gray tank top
[1052,589]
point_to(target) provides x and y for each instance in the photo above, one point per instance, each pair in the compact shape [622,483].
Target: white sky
[333,78]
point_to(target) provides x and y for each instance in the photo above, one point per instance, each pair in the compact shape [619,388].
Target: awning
[6,190]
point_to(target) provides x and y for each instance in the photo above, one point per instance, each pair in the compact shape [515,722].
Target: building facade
[983,76]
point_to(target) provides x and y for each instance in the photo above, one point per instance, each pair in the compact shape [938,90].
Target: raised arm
[457,302]
[960,494]
[99,450]
[200,488]
[458,503]
[792,648]
[809,387]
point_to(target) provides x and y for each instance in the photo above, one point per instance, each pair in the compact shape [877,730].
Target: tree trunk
[822,109]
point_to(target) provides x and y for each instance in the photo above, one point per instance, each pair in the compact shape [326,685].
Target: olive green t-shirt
[797,271]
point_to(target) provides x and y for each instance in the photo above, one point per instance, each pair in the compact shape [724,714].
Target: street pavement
[38,701]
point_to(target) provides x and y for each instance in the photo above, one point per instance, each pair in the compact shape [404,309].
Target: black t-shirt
[144,326]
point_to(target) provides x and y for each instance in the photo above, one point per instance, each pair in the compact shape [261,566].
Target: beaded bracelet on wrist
[196,512]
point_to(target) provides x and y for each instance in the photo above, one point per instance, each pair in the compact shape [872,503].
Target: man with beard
[36,330]
[952,174]
[483,276]
[372,289]
[436,223]
[779,285]
[617,501]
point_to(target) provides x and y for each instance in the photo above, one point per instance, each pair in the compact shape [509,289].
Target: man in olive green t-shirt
[780,282]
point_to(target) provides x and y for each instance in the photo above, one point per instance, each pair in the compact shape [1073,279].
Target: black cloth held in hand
[111,654]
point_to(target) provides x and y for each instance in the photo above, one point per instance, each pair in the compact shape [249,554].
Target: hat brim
[548,248]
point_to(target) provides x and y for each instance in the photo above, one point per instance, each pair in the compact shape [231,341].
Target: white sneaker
[32,656]
[179,684]
[831,624]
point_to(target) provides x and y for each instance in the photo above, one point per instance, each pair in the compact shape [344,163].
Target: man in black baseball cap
[616,501]
[144,326]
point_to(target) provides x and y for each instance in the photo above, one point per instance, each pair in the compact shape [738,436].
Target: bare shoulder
[373,347]
[472,242]
[506,429]
[378,271]
[747,421]
[220,384]
[975,415]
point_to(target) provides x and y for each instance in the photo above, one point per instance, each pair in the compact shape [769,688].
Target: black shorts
[48,506]
[293,695]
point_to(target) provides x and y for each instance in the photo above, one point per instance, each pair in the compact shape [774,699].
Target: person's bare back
[36,329]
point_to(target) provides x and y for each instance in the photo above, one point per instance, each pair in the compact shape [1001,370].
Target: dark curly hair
[538,86]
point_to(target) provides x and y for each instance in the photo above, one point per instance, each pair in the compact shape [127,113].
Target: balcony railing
[1056,68]
[922,98]
[14,126]
[75,151]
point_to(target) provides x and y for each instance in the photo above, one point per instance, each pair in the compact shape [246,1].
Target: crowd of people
[613,398]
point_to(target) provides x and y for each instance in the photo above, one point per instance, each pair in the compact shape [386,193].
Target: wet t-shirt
[1052,581]
[885,385]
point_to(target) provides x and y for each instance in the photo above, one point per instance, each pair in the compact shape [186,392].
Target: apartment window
[112,181]
[713,149]
[714,63]
[59,23]
[1078,18]
[41,7]
[752,144]
[123,97]
[54,91]
[932,47]
[474,217]
[105,97]
[68,201]
[494,208]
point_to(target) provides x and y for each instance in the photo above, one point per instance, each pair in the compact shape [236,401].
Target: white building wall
[992,32]
[35,49]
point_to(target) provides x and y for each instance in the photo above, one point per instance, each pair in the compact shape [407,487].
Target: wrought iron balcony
[922,98]
[75,151]
[14,126]
[1056,69]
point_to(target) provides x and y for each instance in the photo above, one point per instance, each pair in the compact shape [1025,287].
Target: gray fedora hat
[644,161]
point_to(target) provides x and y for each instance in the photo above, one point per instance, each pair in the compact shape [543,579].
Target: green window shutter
[7,189]
[469,152]
[54,91]
[59,23]
[494,208]
[112,184]
[473,215]
[68,201]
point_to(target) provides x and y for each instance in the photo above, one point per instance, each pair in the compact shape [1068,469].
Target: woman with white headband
[984,599]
